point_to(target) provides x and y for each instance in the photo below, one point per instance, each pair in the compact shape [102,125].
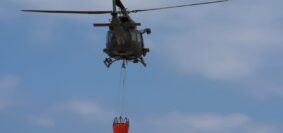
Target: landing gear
[109,61]
[140,60]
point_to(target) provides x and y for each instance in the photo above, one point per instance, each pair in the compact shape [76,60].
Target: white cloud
[203,123]
[74,111]
[89,110]
[223,43]
[229,42]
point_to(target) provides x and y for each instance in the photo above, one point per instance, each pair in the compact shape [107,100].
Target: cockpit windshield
[134,35]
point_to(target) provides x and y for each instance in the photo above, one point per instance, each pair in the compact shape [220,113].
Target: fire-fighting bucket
[121,125]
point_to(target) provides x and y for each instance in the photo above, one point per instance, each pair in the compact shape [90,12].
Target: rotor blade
[71,12]
[178,6]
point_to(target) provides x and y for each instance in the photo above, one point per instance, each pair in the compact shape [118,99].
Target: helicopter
[124,40]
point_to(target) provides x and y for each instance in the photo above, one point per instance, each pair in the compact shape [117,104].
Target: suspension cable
[123,79]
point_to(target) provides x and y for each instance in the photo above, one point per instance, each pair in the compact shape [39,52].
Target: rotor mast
[114,6]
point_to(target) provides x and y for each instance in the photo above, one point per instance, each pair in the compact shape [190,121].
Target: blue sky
[211,69]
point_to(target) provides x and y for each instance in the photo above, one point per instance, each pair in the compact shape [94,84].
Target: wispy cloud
[71,112]
[203,123]
[228,48]
[89,110]
[229,42]
[44,122]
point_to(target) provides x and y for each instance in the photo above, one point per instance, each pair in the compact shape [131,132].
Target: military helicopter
[124,41]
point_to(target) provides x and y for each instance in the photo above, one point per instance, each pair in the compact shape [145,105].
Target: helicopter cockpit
[127,44]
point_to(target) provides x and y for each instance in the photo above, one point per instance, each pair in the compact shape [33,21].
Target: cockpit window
[109,36]
[133,35]
[139,36]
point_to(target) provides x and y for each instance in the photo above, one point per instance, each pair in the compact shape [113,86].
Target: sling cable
[121,124]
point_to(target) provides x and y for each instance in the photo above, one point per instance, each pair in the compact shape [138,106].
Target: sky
[211,69]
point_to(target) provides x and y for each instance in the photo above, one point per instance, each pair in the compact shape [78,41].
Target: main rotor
[122,8]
